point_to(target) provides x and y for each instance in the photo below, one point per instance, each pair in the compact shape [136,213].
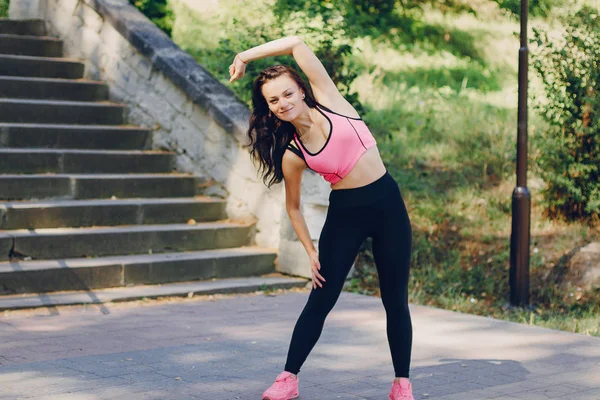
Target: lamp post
[521,200]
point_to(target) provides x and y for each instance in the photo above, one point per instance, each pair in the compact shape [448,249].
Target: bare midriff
[368,169]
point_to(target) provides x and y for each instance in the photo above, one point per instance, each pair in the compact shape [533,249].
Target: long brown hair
[269,136]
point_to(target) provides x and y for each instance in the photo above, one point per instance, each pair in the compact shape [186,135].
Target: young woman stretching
[293,127]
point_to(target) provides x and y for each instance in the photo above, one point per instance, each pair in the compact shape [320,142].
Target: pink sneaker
[284,388]
[401,390]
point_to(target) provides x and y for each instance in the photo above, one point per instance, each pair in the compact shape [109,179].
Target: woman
[323,132]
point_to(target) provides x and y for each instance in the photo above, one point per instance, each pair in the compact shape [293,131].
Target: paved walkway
[233,347]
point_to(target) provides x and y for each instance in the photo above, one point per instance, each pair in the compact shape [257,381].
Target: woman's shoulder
[339,106]
[293,146]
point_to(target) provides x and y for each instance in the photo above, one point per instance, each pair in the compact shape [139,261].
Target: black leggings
[376,210]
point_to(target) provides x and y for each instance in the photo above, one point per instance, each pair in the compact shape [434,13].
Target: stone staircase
[88,212]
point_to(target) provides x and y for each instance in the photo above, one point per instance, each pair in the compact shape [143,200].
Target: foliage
[158,11]
[569,152]
[330,47]
[354,18]
[397,24]
[329,43]
[380,19]
[4,8]
[538,8]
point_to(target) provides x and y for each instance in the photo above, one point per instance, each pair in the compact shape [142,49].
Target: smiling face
[284,97]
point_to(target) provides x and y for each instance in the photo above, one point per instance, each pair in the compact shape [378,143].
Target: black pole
[521,200]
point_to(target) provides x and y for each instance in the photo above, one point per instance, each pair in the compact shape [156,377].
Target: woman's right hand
[315,266]
[236,69]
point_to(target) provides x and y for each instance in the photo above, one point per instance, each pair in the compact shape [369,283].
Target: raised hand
[237,68]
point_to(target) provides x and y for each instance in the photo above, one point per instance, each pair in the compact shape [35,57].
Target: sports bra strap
[295,151]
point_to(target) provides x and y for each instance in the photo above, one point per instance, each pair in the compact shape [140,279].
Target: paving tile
[234,347]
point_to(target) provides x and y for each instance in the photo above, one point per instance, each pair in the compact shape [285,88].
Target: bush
[569,150]
[4,8]
[158,11]
[325,41]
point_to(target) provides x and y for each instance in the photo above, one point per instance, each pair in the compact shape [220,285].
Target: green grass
[443,110]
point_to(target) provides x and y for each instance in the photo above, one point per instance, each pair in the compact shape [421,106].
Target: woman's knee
[396,302]
[322,299]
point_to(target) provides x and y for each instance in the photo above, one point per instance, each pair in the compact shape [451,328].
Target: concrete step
[31,27]
[95,273]
[61,112]
[187,289]
[42,244]
[60,161]
[40,46]
[82,213]
[124,137]
[98,186]
[12,65]
[52,88]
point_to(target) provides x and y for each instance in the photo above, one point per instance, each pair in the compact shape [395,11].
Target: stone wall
[189,111]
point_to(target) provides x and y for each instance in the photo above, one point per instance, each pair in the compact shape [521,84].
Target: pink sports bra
[349,138]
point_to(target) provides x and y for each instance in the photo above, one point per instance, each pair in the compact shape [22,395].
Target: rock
[585,266]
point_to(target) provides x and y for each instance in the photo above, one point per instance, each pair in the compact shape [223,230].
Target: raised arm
[320,81]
